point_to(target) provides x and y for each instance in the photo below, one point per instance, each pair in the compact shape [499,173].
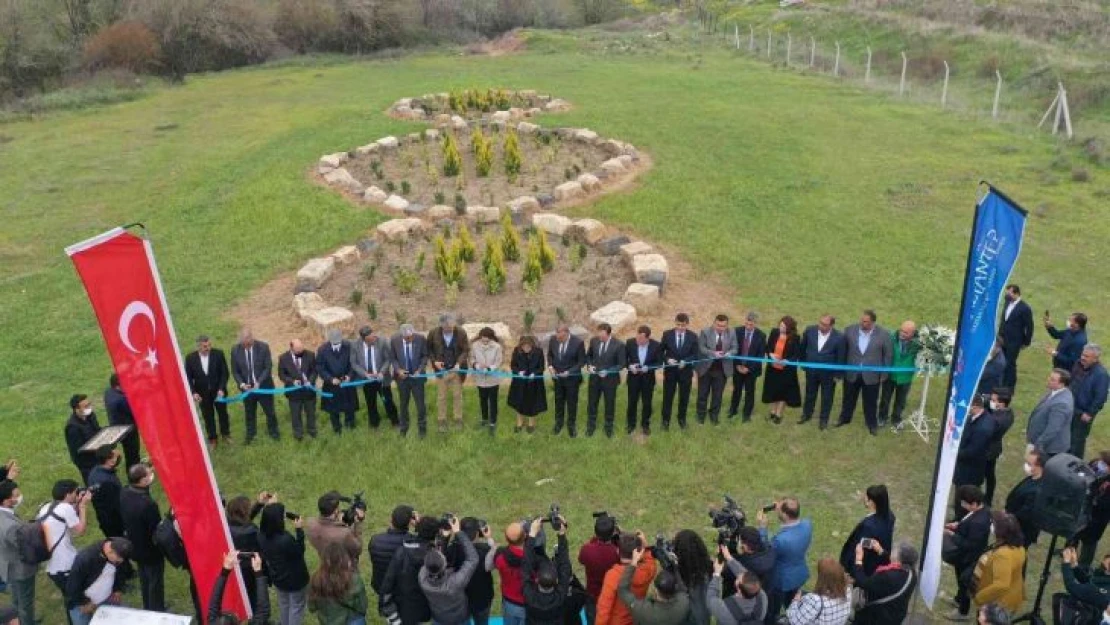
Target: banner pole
[948,389]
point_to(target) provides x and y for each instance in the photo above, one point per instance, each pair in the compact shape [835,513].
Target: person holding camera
[105,487]
[99,574]
[791,544]
[336,592]
[546,582]
[62,519]
[383,546]
[445,587]
[610,609]
[669,606]
[259,595]
[479,592]
[329,527]
[283,554]
[509,562]
[1089,587]
[694,569]
[401,598]
[756,555]
[597,557]
[746,606]
[244,533]
[877,528]
[889,589]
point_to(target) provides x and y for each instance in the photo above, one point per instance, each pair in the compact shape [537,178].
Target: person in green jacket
[897,385]
[336,592]
[669,606]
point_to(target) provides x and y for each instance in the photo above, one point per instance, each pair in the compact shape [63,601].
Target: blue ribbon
[497,373]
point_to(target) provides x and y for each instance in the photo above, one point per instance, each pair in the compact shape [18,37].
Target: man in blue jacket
[1089,386]
[1071,341]
[790,544]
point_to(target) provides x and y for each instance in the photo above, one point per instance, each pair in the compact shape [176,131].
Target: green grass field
[801,195]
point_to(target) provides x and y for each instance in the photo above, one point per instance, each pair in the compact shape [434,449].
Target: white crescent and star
[137,308]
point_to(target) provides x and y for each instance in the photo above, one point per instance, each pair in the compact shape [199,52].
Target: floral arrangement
[937,344]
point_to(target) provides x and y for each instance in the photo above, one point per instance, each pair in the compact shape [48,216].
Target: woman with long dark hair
[336,592]
[877,529]
[284,556]
[999,575]
[780,382]
[244,534]
[695,569]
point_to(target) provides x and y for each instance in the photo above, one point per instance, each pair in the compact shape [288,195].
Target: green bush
[545,254]
[452,160]
[510,240]
[533,268]
[494,274]
[465,243]
[513,159]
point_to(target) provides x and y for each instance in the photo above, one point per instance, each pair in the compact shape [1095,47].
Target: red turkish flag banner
[119,274]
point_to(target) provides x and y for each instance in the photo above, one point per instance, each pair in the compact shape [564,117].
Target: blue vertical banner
[995,245]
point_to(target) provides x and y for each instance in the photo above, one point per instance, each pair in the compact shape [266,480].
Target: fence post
[1067,113]
[997,94]
[836,63]
[944,91]
[768,43]
[751,38]
[736,27]
[788,40]
[902,83]
[812,51]
[867,74]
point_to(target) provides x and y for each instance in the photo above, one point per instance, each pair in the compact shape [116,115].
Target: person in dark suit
[1071,339]
[968,536]
[680,345]
[119,413]
[297,368]
[410,352]
[207,372]
[1021,501]
[877,526]
[822,343]
[716,347]
[780,387]
[140,520]
[994,371]
[605,359]
[372,360]
[975,442]
[81,426]
[1016,332]
[251,366]
[868,345]
[999,410]
[566,356]
[333,363]
[644,355]
[750,342]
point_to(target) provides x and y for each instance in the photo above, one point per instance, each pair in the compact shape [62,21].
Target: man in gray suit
[372,360]
[410,359]
[868,345]
[251,366]
[20,577]
[605,358]
[1049,427]
[718,343]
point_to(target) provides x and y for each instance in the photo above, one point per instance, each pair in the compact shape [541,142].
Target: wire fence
[922,80]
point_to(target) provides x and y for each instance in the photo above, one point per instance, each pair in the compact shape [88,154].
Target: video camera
[551,517]
[663,552]
[91,490]
[728,520]
[357,503]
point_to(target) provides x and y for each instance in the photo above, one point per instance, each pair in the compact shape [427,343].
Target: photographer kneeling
[545,581]
[669,606]
[445,588]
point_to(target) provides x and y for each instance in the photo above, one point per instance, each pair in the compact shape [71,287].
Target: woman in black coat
[877,526]
[780,382]
[527,396]
[284,557]
[244,533]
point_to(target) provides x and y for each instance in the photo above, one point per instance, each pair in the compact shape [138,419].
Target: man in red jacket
[598,556]
[610,609]
[508,561]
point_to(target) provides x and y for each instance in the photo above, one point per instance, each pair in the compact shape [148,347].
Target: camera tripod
[1034,615]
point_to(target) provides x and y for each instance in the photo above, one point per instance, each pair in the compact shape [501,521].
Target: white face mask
[86,412]
[1028,468]
[335,345]
[18,501]
[995,406]
[992,529]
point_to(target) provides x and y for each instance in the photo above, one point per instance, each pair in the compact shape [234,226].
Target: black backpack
[169,543]
[31,538]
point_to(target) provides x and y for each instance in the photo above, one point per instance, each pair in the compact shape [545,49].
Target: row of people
[715,355]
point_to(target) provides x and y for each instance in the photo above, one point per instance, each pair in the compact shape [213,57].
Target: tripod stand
[1034,616]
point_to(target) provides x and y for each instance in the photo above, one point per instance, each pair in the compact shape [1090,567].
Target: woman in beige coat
[485,356]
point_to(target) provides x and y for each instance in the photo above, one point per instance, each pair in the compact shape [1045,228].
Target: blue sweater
[791,544]
[1070,347]
[1089,388]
